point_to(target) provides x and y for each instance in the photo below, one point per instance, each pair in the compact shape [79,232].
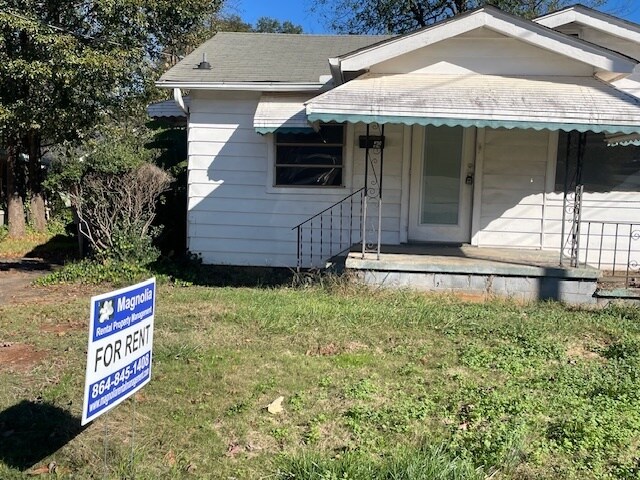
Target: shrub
[113,189]
[94,272]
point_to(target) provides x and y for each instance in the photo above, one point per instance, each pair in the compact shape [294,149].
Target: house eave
[243,86]
[601,59]
[594,19]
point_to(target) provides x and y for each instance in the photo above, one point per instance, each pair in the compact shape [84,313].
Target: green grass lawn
[390,385]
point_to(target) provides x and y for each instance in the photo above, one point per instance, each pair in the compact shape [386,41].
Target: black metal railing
[330,232]
[613,247]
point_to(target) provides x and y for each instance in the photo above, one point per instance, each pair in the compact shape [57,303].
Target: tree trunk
[36,206]
[15,206]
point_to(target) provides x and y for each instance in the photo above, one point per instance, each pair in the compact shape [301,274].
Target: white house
[486,130]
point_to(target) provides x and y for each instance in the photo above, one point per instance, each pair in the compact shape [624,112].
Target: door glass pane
[441,175]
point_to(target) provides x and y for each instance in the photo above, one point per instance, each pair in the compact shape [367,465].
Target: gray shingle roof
[266,57]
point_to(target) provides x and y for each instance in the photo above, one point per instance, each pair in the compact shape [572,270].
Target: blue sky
[298,11]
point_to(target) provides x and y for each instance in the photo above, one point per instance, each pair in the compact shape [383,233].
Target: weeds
[380,385]
[425,463]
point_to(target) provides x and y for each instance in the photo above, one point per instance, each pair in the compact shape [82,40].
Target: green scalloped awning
[479,123]
[472,100]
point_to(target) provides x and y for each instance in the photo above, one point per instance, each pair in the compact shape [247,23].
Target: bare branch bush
[116,211]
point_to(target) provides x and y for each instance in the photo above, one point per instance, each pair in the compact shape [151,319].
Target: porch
[473,272]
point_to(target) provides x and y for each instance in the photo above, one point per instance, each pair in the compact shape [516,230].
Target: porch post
[380,195]
[366,195]
[577,203]
[564,198]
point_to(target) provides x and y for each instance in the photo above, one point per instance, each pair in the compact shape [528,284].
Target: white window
[310,159]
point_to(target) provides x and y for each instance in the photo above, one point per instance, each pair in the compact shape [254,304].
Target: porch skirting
[532,277]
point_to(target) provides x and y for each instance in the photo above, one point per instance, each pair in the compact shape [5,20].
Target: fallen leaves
[50,469]
[170,458]
[275,407]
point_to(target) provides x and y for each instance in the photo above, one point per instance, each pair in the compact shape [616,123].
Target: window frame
[347,152]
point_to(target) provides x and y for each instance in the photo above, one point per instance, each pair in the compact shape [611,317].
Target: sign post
[120,347]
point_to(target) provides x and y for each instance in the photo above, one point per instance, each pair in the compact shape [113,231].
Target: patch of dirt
[19,357]
[355,347]
[331,349]
[16,284]
[53,294]
[61,329]
[579,351]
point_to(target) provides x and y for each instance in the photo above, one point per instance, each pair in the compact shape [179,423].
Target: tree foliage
[66,65]
[272,25]
[63,63]
[235,23]
[400,16]
[113,187]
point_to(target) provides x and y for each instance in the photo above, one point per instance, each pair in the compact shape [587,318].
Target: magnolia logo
[106,311]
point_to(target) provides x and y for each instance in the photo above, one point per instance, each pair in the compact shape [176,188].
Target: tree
[400,16]
[235,23]
[65,65]
[232,23]
[272,25]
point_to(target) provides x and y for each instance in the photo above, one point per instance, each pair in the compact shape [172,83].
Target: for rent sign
[120,344]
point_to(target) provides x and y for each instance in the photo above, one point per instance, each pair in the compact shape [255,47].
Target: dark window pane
[309,176]
[328,134]
[604,168]
[309,155]
[313,159]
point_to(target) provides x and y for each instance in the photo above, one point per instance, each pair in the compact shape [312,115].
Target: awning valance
[283,112]
[470,100]
[623,140]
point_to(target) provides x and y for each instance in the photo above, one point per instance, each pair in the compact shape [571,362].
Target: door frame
[464,231]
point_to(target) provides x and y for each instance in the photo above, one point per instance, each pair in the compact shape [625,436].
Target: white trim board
[594,19]
[602,59]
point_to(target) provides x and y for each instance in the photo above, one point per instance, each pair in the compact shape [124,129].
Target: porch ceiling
[537,102]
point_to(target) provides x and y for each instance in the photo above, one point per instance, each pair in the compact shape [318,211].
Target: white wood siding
[613,207]
[612,42]
[235,216]
[512,185]
[392,182]
[485,52]
[519,208]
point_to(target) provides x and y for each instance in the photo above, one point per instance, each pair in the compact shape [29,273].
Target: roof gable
[483,51]
[593,18]
[573,19]
[604,61]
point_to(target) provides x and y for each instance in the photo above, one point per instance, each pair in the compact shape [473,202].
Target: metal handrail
[308,223]
[329,208]
[620,252]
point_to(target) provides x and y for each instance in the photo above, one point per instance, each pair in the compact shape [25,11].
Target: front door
[442,170]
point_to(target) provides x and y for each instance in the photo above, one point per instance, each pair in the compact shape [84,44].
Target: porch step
[617,292]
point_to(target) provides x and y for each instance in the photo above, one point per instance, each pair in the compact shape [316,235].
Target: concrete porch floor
[525,275]
[467,259]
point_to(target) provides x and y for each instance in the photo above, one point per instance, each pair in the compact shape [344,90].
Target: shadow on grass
[57,249]
[30,432]
[24,265]
[194,272]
